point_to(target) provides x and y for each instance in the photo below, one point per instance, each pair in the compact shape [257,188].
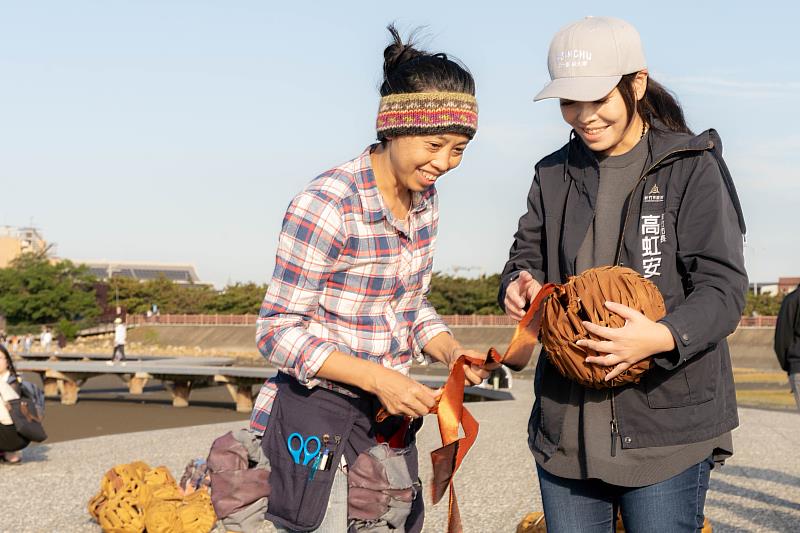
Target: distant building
[764,287]
[144,271]
[17,241]
[787,285]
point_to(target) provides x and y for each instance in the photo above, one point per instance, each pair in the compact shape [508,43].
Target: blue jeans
[794,383]
[590,505]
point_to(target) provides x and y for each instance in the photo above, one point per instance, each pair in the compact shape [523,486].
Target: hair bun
[398,52]
[409,70]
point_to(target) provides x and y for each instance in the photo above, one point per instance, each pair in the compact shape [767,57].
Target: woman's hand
[519,294]
[401,395]
[639,338]
[473,374]
[446,349]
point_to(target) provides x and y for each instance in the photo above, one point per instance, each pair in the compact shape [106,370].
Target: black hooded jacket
[682,230]
[787,333]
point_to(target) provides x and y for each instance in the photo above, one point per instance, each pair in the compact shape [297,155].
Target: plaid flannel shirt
[349,277]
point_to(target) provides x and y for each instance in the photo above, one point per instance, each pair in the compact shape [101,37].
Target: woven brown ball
[583,298]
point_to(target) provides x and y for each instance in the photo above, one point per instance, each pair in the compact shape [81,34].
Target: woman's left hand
[639,338]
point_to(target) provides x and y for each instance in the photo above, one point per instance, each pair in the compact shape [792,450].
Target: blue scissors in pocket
[303,450]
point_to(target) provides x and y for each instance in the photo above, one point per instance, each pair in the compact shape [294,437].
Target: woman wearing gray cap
[632,187]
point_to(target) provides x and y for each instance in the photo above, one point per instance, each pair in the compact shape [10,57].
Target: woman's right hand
[519,294]
[401,395]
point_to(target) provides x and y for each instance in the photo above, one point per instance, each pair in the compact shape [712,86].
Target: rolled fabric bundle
[583,298]
[380,490]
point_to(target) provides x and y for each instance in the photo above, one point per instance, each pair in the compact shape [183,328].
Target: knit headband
[427,114]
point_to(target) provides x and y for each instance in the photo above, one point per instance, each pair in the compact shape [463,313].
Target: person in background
[11,442]
[61,342]
[787,340]
[120,336]
[46,339]
[27,343]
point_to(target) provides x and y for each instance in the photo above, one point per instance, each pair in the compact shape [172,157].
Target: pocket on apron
[300,492]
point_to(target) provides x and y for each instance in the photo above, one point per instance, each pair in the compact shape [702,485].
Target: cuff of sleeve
[678,355]
[422,335]
[312,362]
[538,275]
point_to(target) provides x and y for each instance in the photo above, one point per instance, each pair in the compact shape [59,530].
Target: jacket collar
[662,143]
[583,169]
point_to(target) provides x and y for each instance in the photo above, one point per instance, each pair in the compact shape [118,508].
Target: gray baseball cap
[588,58]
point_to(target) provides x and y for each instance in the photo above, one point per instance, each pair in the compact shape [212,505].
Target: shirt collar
[370,195]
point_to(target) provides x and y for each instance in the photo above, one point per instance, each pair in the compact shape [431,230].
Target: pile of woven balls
[134,498]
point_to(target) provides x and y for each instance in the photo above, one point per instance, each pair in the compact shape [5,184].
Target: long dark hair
[9,362]
[408,70]
[658,103]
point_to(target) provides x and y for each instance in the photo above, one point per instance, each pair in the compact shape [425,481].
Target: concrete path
[757,491]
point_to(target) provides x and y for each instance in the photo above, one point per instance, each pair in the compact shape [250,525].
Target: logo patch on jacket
[654,195]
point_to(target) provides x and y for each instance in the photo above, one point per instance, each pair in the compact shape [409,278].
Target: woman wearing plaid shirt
[346,309]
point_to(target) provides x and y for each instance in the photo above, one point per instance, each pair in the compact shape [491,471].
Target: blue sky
[179,131]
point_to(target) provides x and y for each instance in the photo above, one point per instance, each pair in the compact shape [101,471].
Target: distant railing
[758,321]
[479,320]
[452,320]
[192,320]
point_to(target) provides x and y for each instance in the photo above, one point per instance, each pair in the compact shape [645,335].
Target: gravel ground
[758,490]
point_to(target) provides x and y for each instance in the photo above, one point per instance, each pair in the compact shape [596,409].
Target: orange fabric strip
[452,414]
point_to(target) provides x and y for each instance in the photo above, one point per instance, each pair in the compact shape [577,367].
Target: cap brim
[579,89]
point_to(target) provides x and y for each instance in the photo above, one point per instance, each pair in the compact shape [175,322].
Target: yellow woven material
[95,503]
[582,298]
[122,479]
[121,514]
[133,497]
[162,517]
[197,513]
[159,476]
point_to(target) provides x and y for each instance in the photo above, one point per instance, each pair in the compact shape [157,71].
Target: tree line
[35,291]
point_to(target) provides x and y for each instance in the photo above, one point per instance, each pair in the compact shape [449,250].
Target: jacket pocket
[552,396]
[667,388]
[703,374]
[692,383]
